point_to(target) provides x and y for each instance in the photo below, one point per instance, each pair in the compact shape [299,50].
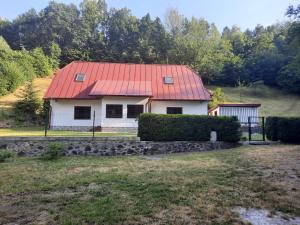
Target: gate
[256,128]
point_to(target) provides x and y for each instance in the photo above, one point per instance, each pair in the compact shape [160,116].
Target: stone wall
[107,147]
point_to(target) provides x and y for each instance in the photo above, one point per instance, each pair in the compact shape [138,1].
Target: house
[112,95]
[241,110]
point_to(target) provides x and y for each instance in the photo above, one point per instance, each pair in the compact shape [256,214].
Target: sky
[243,13]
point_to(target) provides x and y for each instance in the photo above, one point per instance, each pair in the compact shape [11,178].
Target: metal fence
[256,128]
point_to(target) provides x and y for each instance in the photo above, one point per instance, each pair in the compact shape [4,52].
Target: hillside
[274,102]
[40,84]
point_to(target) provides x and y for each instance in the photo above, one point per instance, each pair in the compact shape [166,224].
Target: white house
[241,110]
[112,95]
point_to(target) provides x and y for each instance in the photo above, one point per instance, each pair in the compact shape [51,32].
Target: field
[274,102]
[195,188]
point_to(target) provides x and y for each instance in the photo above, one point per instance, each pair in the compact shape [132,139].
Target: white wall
[62,113]
[188,107]
[121,122]
[63,110]
[216,110]
[241,112]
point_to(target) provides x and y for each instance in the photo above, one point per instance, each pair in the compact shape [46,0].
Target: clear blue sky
[244,13]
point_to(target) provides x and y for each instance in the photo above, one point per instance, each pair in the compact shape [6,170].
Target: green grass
[196,188]
[40,132]
[274,102]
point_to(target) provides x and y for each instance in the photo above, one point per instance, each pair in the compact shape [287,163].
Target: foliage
[17,67]
[93,32]
[271,128]
[288,130]
[218,97]
[27,109]
[161,127]
[41,63]
[4,154]
[285,129]
[54,151]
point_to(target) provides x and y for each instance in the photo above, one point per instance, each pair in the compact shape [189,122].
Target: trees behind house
[19,66]
[95,33]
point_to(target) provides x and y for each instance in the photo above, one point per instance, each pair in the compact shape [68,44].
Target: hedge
[271,128]
[284,129]
[167,127]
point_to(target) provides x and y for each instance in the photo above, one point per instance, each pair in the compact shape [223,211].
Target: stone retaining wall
[85,146]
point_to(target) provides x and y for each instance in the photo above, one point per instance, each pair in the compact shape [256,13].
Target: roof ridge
[125,63]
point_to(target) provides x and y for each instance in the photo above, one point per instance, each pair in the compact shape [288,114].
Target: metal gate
[256,128]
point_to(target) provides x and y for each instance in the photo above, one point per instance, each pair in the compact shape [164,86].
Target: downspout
[148,105]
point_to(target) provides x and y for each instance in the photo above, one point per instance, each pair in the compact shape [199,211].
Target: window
[114,111]
[82,112]
[133,111]
[168,80]
[174,110]
[80,77]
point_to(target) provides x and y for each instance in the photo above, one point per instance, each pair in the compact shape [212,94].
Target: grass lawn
[196,188]
[274,102]
[39,131]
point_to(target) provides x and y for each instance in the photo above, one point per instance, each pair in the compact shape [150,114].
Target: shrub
[289,130]
[284,129]
[54,151]
[4,154]
[162,127]
[271,128]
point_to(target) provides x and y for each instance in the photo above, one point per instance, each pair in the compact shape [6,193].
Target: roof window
[80,77]
[168,80]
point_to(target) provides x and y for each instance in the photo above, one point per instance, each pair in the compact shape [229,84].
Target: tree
[54,53]
[174,21]
[289,76]
[27,109]
[218,97]
[41,63]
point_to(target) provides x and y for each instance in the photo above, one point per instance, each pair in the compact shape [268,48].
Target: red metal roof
[121,88]
[120,79]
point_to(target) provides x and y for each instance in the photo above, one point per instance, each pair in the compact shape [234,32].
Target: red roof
[120,79]
[121,88]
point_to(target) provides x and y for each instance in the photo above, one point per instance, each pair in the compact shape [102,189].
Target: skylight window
[168,80]
[80,77]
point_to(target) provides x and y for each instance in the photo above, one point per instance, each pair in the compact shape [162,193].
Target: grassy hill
[274,102]
[40,84]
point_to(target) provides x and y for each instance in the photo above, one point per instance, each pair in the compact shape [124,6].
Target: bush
[4,154]
[271,128]
[284,129]
[162,127]
[289,130]
[54,151]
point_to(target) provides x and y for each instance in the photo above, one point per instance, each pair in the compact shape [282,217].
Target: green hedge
[271,128]
[284,129]
[162,127]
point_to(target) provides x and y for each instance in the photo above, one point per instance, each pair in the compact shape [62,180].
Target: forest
[35,44]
